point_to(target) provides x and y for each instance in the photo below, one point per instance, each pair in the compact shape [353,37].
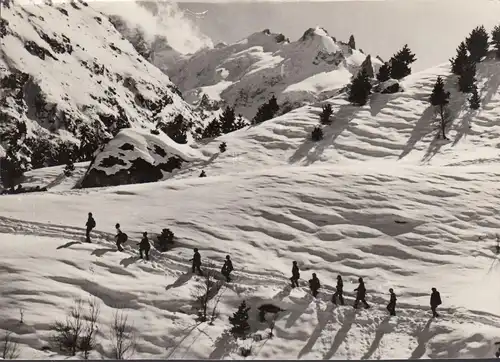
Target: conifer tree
[384,73]
[324,117]
[458,63]
[240,122]
[474,100]
[360,89]
[440,98]
[239,321]
[495,37]
[400,63]
[266,111]
[212,130]
[227,120]
[467,77]
[477,43]
[317,134]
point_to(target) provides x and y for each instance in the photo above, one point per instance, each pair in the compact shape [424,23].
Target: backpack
[123,237]
[92,223]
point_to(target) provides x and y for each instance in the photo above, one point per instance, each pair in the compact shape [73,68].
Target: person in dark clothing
[90,225]
[314,284]
[120,237]
[295,275]
[435,302]
[227,268]
[391,307]
[361,294]
[196,261]
[339,292]
[144,246]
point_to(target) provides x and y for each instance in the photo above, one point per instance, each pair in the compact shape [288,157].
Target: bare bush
[88,339]
[215,311]
[122,336]
[10,349]
[205,292]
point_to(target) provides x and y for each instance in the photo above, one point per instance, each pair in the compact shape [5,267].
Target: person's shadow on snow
[101,252]
[127,261]
[183,279]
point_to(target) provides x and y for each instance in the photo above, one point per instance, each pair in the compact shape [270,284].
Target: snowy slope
[66,71]
[404,228]
[247,73]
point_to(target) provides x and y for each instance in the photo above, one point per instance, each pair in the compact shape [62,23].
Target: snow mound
[136,156]
[245,74]
[67,75]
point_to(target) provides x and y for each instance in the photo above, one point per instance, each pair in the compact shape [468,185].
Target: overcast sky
[433,29]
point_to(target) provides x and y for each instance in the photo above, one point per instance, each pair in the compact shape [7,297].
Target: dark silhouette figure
[435,301]
[361,294]
[391,307]
[144,246]
[227,268]
[196,261]
[314,284]
[295,275]
[120,237]
[203,174]
[339,292]
[90,225]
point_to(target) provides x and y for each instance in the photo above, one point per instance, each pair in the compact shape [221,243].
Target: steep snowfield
[404,228]
[65,66]
[247,73]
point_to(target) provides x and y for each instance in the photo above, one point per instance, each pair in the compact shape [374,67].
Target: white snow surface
[379,198]
[245,74]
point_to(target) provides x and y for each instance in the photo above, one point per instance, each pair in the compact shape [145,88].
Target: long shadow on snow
[183,279]
[128,261]
[341,334]
[492,83]
[377,102]
[323,319]
[67,245]
[101,252]
[341,121]
[423,337]
[223,346]
[378,337]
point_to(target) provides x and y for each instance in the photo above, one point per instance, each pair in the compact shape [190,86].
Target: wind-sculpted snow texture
[64,67]
[246,74]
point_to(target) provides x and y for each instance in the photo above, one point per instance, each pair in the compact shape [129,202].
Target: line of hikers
[227,268]
[315,285]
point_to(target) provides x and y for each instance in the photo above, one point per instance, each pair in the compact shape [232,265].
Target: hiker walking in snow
[120,237]
[314,284]
[196,259]
[295,275]
[227,268]
[144,246]
[90,225]
[339,292]
[361,294]
[391,307]
[435,302]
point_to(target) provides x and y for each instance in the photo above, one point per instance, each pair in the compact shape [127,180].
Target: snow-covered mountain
[246,74]
[68,75]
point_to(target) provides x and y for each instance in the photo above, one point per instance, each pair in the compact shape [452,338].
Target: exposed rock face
[368,66]
[136,156]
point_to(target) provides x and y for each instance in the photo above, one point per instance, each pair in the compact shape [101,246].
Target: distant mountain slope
[67,75]
[247,73]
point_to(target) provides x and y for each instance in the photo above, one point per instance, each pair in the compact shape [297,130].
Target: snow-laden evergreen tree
[228,120]
[360,89]
[461,59]
[352,42]
[384,73]
[474,100]
[477,43]
[467,77]
[440,98]
[400,63]
[266,111]
[317,134]
[495,38]
[325,115]
[176,129]
[239,321]
[212,130]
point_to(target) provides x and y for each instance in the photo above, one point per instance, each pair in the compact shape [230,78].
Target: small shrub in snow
[155,132]
[360,89]
[400,63]
[205,292]
[474,100]
[325,115]
[317,134]
[239,321]
[203,174]
[122,337]
[10,349]
[477,43]
[440,98]
[165,239]
[462,58]
[245,351]
[70,167]
[495,38]
[223,147]
[384,73]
